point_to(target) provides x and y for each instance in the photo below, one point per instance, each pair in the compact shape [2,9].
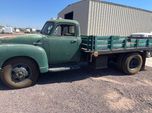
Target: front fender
[38,54]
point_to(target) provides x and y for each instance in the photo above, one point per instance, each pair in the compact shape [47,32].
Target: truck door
[64,44]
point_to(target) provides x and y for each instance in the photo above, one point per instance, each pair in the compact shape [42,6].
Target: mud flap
[144,56]
[100,62]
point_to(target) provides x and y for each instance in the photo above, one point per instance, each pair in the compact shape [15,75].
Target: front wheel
[20,73]
[132,64]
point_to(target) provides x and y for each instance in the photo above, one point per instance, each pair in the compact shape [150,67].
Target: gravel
[82,91]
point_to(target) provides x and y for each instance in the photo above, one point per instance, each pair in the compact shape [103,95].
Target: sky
[34,13]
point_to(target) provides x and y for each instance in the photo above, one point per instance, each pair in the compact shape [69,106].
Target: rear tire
[20,73]
[132,64]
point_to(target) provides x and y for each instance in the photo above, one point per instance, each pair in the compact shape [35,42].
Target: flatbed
[115,44]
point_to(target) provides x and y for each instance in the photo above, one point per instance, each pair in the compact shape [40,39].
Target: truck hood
[22,39]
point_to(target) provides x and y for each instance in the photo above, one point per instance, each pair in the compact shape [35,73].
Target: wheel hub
[20,73]
[134,63]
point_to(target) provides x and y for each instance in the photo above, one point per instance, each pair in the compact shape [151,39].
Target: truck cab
[24,57]
[62,41]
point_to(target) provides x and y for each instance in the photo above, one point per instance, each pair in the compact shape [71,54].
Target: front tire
[20,73]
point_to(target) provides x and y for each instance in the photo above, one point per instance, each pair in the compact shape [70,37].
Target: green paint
[44,49]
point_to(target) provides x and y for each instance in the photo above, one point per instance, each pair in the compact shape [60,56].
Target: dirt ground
[83,91]
[10,35]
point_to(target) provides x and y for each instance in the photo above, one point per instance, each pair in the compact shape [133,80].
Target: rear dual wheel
[20,73]
[132,64]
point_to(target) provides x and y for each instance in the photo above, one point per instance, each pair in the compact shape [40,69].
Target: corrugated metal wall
[103,18]
[110,19]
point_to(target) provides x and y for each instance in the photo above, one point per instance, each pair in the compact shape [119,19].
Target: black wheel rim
[20,72]
[134,63]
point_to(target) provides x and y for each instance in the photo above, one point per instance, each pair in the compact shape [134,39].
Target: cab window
[65,30]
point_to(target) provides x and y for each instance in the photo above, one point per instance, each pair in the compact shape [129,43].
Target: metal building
[105,18]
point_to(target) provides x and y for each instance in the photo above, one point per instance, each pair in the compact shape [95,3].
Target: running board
[58,69]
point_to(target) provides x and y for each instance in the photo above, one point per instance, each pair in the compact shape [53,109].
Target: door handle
[73,41]
[37,43]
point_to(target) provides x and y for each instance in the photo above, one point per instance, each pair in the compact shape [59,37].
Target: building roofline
[71,5]
[111,3]
[121,5]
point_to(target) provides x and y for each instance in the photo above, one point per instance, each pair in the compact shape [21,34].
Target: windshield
[46,30]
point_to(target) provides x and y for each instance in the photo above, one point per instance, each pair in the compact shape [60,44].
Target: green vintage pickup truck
[61,47]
